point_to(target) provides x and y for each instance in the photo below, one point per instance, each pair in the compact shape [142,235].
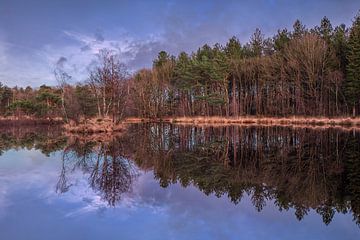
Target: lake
[163,181]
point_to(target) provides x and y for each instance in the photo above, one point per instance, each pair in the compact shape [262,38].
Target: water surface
[180,182]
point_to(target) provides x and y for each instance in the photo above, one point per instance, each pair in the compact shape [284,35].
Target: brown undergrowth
[271,121]
[96,125]
[28,121]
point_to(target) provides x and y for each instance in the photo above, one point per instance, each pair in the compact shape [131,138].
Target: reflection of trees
[110,172]
[46,138]
[352,169]
[296,168]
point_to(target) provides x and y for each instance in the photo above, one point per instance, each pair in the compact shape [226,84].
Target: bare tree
[62,79]
[69,101]
[108,82]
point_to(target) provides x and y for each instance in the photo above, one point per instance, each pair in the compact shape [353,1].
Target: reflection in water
[298,169]
[111,173]
[48,139]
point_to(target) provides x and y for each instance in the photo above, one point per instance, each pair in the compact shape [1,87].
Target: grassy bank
[105,125]
[29,121]
[295,120]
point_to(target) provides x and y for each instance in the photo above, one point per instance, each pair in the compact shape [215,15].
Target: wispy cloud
[136,53]
[93,44]
[21,66]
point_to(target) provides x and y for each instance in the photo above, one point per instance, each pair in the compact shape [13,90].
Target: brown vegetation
[95,125]
[29,121]
[279,121]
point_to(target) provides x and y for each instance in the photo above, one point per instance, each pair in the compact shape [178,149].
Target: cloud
[35,66]
[99,36]
[22,66]
[85,48]
[135,53]
[60,63]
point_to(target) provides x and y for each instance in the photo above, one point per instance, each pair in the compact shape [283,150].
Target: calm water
[172,182]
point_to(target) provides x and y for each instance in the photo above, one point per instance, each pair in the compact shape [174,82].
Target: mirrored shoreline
[305,171]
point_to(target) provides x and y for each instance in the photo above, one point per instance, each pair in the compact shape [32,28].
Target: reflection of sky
[30,209]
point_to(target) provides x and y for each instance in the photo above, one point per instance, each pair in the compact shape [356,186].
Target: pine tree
[233,49]
[162,58]
[257,43]
[281,39]
[325,30]
[339,44]
[299,29]
[352,84]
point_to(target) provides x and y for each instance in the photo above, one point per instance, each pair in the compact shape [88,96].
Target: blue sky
[37,35]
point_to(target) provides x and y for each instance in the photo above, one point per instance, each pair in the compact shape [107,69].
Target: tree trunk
[234,113]
[354,111]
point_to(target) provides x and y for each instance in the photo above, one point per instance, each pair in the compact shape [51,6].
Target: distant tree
[183,81]
[6,96]
[144,94]
[163,69]
[86,100]
[352,84]
[63,79]
[268,47]
[210,73]
[108,82]
[281,39]
[325,30]
[234,53]
[233,49]
[247,50]
[340,45]
[162,59]
[307,62]
[298,29]
[26,107]
[48,96]
[257,43]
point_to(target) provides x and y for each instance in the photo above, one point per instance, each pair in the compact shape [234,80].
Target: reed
[27,121]
[95,125]
[249,120]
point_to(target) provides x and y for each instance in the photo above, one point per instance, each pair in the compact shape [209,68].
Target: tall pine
[352,84]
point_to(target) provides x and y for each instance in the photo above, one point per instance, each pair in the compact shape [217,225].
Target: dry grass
[95,125]
[28,121]
[315,122]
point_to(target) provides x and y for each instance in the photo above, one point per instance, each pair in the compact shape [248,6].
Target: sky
[36,36]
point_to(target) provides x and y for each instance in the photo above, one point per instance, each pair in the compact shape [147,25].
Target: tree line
[46,101]
[300,72]
[307,72]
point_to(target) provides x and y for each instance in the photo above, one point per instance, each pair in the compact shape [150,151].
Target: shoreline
[106,126]
[11,121]
[246,120]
